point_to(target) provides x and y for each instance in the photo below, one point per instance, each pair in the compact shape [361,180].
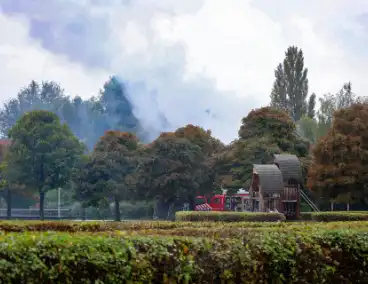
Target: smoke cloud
[127,38]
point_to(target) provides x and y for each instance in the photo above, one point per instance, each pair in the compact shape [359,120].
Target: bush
[306,216]
[72,227]
[339,216]
[314,257]
[173,228]
[195,216]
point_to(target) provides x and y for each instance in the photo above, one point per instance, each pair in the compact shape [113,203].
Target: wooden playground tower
[277,187]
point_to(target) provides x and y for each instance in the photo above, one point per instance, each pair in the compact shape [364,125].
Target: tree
[263,133]
[88,119]
[111,171]
[290,88]
[340,163]
[307,128]
[47,96]
[173,171]
[42,154]
[117,107]
[202,138]
[330,103]
[311,113]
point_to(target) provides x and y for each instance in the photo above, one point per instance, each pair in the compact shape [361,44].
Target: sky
[205,62]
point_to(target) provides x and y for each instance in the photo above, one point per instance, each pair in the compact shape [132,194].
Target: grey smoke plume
[122,37]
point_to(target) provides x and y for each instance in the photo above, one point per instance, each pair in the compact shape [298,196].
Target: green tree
[111,171]
[290,88]
[264,132]
[340,158]
[330,103]
[42,155]
[88,119]
[308,128]
[311,112]
[173,171]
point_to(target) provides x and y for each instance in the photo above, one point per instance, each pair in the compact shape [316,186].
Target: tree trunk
[117,209]
[192,203]
[160,209]
[171,212]
[8,203]
[42,205]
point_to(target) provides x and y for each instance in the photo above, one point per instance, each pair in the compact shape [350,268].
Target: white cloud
[181,49]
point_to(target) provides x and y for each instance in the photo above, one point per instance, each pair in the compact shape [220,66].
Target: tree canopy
[341,157]
[264,132]
[111,170]
[291,86]
[121,164]
[42,154]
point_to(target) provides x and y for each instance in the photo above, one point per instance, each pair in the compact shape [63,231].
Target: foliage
[263,133]
[339,216]
[88,119]
[330,103]
[337,220]
[311,113]
[117,109]
[173,170]
[202,138]
[267,121]
[111,170]
[42,155]
[307,128]
[211,147]
[340,158]
[290,88]
[195,216]
[324,256]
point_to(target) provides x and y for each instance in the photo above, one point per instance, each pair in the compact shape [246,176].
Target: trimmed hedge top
[337,256]
[226,216]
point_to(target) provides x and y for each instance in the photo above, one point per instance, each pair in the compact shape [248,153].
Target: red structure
[224,202]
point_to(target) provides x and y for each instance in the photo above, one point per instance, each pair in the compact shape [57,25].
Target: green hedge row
[225,216]
[193,216]
[339,216]
[194,229]
[318,257]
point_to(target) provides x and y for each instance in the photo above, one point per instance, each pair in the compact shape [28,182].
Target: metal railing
[33,213]
[308,201]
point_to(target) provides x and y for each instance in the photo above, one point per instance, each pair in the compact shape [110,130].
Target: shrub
[339,216]
[306,216]
[314,257]
[195,216]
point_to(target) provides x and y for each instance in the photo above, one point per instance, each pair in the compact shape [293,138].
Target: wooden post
[298,202]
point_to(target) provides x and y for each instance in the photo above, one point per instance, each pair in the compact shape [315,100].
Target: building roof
[290,167]
[270,178]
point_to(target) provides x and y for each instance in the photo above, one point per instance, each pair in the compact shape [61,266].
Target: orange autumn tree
[202,138]
[340,167]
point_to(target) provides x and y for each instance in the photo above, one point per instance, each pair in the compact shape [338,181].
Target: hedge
[160,226]
[226,216]
[319,257]
[195,216]
[339,216]
[69,226]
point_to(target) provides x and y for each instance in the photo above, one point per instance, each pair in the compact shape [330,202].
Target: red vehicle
[223,202]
